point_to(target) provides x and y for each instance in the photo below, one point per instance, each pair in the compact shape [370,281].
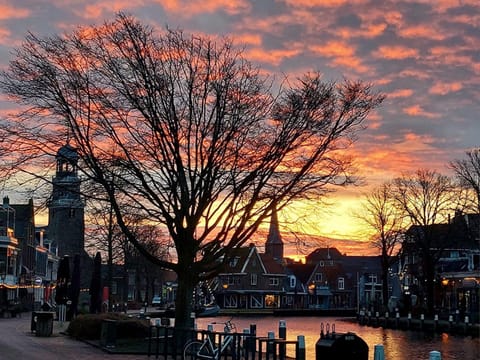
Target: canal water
[398,344]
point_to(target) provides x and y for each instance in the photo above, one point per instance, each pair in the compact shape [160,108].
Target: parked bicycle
[208,349]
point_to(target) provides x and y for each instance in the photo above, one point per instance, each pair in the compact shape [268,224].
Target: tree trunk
[183,302]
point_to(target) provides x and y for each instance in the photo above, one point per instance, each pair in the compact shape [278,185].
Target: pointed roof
[274,236]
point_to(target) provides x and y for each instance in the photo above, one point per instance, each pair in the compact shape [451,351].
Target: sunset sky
[423,54]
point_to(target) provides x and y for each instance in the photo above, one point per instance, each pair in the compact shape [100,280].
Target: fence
[168,341]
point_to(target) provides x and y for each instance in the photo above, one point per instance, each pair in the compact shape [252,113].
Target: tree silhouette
[379,213]
[198,142]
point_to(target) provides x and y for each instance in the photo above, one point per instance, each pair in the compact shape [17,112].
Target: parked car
[156,301]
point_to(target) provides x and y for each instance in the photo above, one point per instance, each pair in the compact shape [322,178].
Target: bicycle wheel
[191,349]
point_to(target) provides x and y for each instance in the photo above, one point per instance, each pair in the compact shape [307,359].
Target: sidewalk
[17,342]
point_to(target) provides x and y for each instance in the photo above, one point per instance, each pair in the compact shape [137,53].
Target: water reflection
[399,345]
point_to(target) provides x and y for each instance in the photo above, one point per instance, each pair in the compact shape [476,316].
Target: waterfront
[398,344]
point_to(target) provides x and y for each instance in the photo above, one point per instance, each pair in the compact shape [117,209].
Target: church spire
[274,244]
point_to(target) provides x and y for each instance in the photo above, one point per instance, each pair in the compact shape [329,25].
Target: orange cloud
[11,12]
[322,3]
[445,88]
[400,93]
[395,52]
[273,57]
[334,49]
[416,110]
[421,31]
[342,54]
[194,7]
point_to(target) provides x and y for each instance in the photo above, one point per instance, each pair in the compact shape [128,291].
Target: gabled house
[455,249]
[250,281]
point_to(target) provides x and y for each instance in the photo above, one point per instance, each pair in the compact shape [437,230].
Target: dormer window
[234,261]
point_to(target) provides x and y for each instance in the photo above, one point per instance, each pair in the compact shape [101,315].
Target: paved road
[18,343]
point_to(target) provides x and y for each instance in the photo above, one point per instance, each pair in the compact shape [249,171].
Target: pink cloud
[396,52]
[417,110]
[441,88]
[11,12]
[322,3]
[421,31]
[193,7]
[400,93]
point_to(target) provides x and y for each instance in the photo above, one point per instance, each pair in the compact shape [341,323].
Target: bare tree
[426,199]
[200,145]
[379,213]
[467,172]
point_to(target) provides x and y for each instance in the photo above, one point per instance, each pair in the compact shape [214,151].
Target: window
[322,264]
[253,279]
[256,301]
[292,281]
[234,261]
[273,281]
[341,283]
[318,277]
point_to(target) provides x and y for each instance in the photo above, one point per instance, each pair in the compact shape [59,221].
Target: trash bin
[108,333]
[42,323]
[341,346]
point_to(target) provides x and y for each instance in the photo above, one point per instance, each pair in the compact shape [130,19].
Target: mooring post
[253,343]
[422,320]
[409,320]
[435,323]
[282,334]
[435,355]
[467,320]
[379,352]
[300,350]
[271,345]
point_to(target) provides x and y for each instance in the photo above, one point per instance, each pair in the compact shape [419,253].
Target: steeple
[66,206]
[274,244]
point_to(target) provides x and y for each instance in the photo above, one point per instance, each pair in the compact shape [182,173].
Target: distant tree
[467,172]
[426,199]
[379,213]
[197,141]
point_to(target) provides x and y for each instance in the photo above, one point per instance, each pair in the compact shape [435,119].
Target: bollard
[270,345]
[379,353]
[409,320]
[211,335]
[397,320]
[282,334]
[422,320]
[435,355]
[300,350]
[386,320]
[253,343]
[435,323]
[465,326]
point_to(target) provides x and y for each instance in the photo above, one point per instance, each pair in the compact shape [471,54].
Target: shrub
[89,326]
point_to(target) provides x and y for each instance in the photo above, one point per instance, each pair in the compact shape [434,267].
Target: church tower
[66,226]
[274,244]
